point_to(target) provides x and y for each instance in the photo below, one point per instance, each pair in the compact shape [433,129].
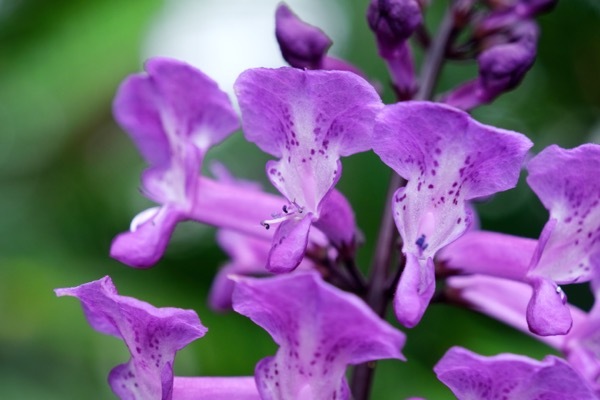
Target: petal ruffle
[153,336]
[320,330]
[566,181]
[509,376]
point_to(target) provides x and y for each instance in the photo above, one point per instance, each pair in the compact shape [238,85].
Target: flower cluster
[292,269]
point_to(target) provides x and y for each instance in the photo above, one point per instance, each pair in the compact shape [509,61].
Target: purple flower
[511,377]
[307,119]
[305,46]
[174,114]
[393,22]
[507,300]
[447,159]
[568,250]
[320,330]
[152,335]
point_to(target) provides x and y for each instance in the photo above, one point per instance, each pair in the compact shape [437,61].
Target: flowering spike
[308,119]
[447,159]
[304,315]
[153,336]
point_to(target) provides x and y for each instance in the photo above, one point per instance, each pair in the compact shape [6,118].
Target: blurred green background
[69,178]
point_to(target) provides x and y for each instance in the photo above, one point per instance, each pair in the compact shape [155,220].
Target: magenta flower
[510,377]
[152,335]
[320,330]
[307,119]
[568,250]
[447,159]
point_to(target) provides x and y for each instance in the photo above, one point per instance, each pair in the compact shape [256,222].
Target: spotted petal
[308,119]
[511,377]
[566,181]
[320,330]
[447,159]
[152,335]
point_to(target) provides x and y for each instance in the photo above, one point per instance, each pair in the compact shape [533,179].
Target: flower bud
[502,67]
[302,45]
[393,21]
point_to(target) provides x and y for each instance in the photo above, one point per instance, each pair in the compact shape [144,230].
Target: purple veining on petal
[153,336]
[303,314]
[510,377]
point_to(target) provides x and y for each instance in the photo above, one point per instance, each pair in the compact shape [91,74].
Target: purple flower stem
[378,295]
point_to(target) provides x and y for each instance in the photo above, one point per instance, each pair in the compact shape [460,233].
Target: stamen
[289,211]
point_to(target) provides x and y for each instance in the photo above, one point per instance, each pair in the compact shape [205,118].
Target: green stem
[377,295]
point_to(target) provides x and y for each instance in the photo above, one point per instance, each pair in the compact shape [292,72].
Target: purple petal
[320,330]
[302,45]
[145,243]
[153,336]
[248,256]
[238,388]
[308,119]
[235,206]
[489,253]
[289,244]
[447,158]
[509,376]
[337,220]
[415,289]
[566,181]
[582,347]
[547,312]
[501,299]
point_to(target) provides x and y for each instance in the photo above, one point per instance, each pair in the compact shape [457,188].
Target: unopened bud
[302,45]
[502,67]
[393,21]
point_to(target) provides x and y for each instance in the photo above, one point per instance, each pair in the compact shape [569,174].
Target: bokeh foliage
[69,177]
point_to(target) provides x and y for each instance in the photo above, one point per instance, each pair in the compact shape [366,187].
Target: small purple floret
[320,330]
[152,335]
